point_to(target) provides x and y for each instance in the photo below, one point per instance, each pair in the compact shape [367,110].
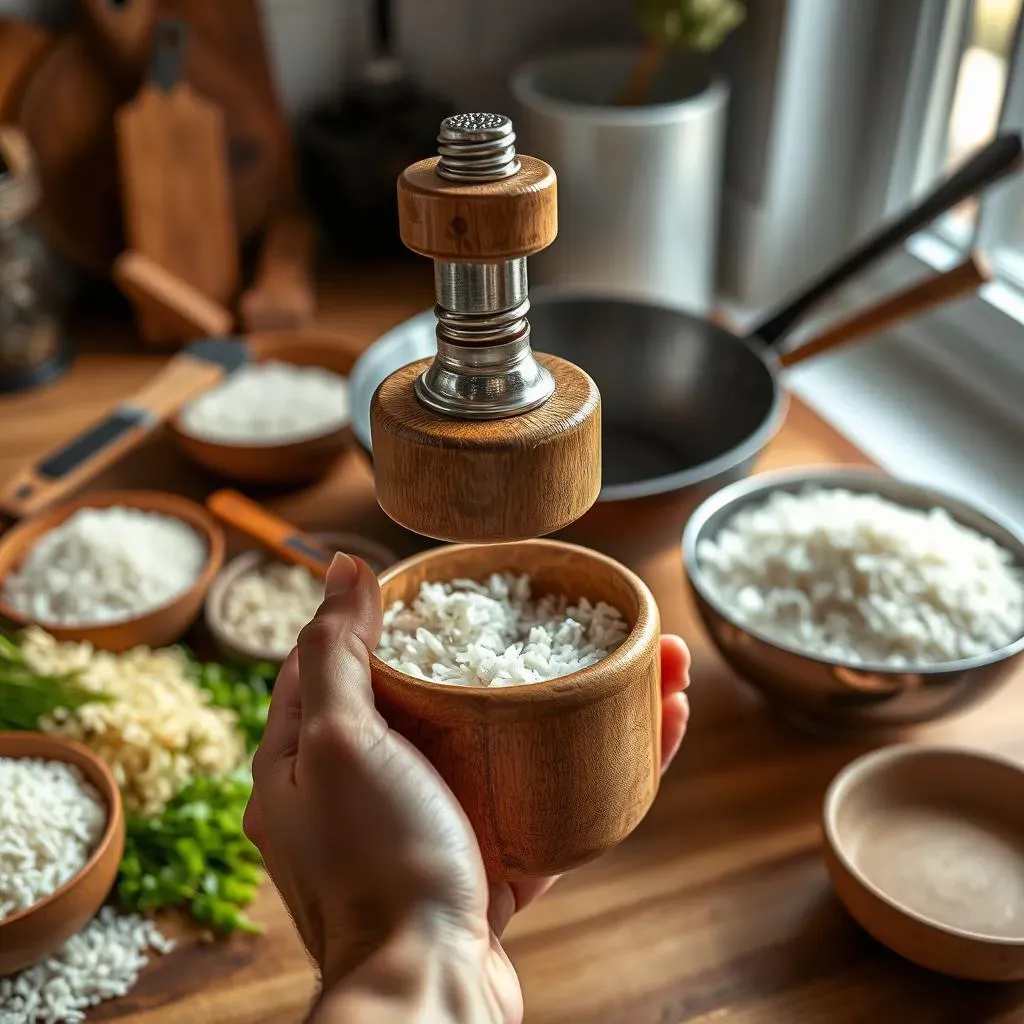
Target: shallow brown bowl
[33,934]
[925,847]
[297,461]
[157,628]
[550,774]
[377,556]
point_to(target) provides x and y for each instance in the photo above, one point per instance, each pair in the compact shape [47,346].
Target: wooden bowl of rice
[551,773]
[291,462]
[35,933]
[157,627]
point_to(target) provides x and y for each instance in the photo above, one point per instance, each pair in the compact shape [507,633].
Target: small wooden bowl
[35,933]
[157,628]
[550,774]
[925,847]
[376,555]
[274,464]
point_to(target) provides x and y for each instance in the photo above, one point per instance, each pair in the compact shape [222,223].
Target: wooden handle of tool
[108,439]
[122,29]
[962,280]
[170,310]
[283,296]
[270,531]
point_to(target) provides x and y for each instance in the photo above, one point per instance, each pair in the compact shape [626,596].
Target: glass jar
[33,347]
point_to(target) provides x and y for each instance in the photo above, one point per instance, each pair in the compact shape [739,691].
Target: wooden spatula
[186,375]
[275,534]
[174,177]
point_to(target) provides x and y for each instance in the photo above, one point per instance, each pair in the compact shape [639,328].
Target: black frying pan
[687,405]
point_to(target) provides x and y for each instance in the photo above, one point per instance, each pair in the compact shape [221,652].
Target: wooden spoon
[963,279]
[270,531]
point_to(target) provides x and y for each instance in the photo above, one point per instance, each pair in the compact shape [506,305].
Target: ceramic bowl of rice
[856,601]
[60,845]
[529,675]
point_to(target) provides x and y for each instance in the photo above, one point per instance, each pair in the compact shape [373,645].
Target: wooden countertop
[717,909]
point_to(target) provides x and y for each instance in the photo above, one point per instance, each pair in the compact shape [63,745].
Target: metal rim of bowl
[763,484]
[746,449]
[868,765]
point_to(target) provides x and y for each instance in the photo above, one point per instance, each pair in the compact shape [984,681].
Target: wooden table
[717,909]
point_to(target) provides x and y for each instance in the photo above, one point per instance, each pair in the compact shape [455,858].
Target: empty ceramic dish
[925,847]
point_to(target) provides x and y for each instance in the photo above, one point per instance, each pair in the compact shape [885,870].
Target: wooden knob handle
[487,481]
[495,220]
[270,531]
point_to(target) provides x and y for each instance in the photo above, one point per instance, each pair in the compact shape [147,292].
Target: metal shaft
[485,367]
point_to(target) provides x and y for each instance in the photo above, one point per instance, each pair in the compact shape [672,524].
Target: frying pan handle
[122,29]
[999,158]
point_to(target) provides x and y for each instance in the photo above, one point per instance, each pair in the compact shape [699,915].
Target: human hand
[370,850]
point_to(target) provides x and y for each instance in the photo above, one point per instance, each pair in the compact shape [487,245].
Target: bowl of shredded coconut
[851,598]
[256,605]
[281,419]
[61,842]
[118,570]
[529,675]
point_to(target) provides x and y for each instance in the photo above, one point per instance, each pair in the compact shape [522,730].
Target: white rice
[495,634]
[101,962]
[106,565]
[51,820]
[858,578]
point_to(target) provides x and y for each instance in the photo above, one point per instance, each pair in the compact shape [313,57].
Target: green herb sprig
[194,854]
[244,689]
[27,696]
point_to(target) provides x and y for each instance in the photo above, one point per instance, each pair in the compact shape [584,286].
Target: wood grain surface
[717,910]
[452,220]
[572,764]
[488,480]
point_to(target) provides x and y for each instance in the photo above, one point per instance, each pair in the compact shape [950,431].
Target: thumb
[333,649]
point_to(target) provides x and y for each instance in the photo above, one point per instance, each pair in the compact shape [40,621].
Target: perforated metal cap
[477,147]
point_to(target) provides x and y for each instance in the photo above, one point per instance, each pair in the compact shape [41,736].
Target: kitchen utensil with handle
[227,63]
[275,534]
[174,308]
[283,295]
[962,280]
[174,178]
[187,375]
[67,112]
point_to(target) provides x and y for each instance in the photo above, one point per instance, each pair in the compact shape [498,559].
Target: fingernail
[341,576]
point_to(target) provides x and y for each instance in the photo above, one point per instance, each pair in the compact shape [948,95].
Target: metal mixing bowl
[826,694]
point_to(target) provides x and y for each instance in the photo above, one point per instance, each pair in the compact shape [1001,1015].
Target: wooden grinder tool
[487,442]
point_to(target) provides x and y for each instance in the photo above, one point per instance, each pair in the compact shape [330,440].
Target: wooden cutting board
[67,113]
[228,63]
[176,192]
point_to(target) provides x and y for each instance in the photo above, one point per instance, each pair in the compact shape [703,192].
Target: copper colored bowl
[293,462]
[33,934]
[157,628]
[554,773]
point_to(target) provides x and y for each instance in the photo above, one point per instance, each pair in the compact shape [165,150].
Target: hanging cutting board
[175,187]
[67,113]
[228,63]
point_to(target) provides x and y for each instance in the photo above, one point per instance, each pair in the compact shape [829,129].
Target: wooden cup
[550,774]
